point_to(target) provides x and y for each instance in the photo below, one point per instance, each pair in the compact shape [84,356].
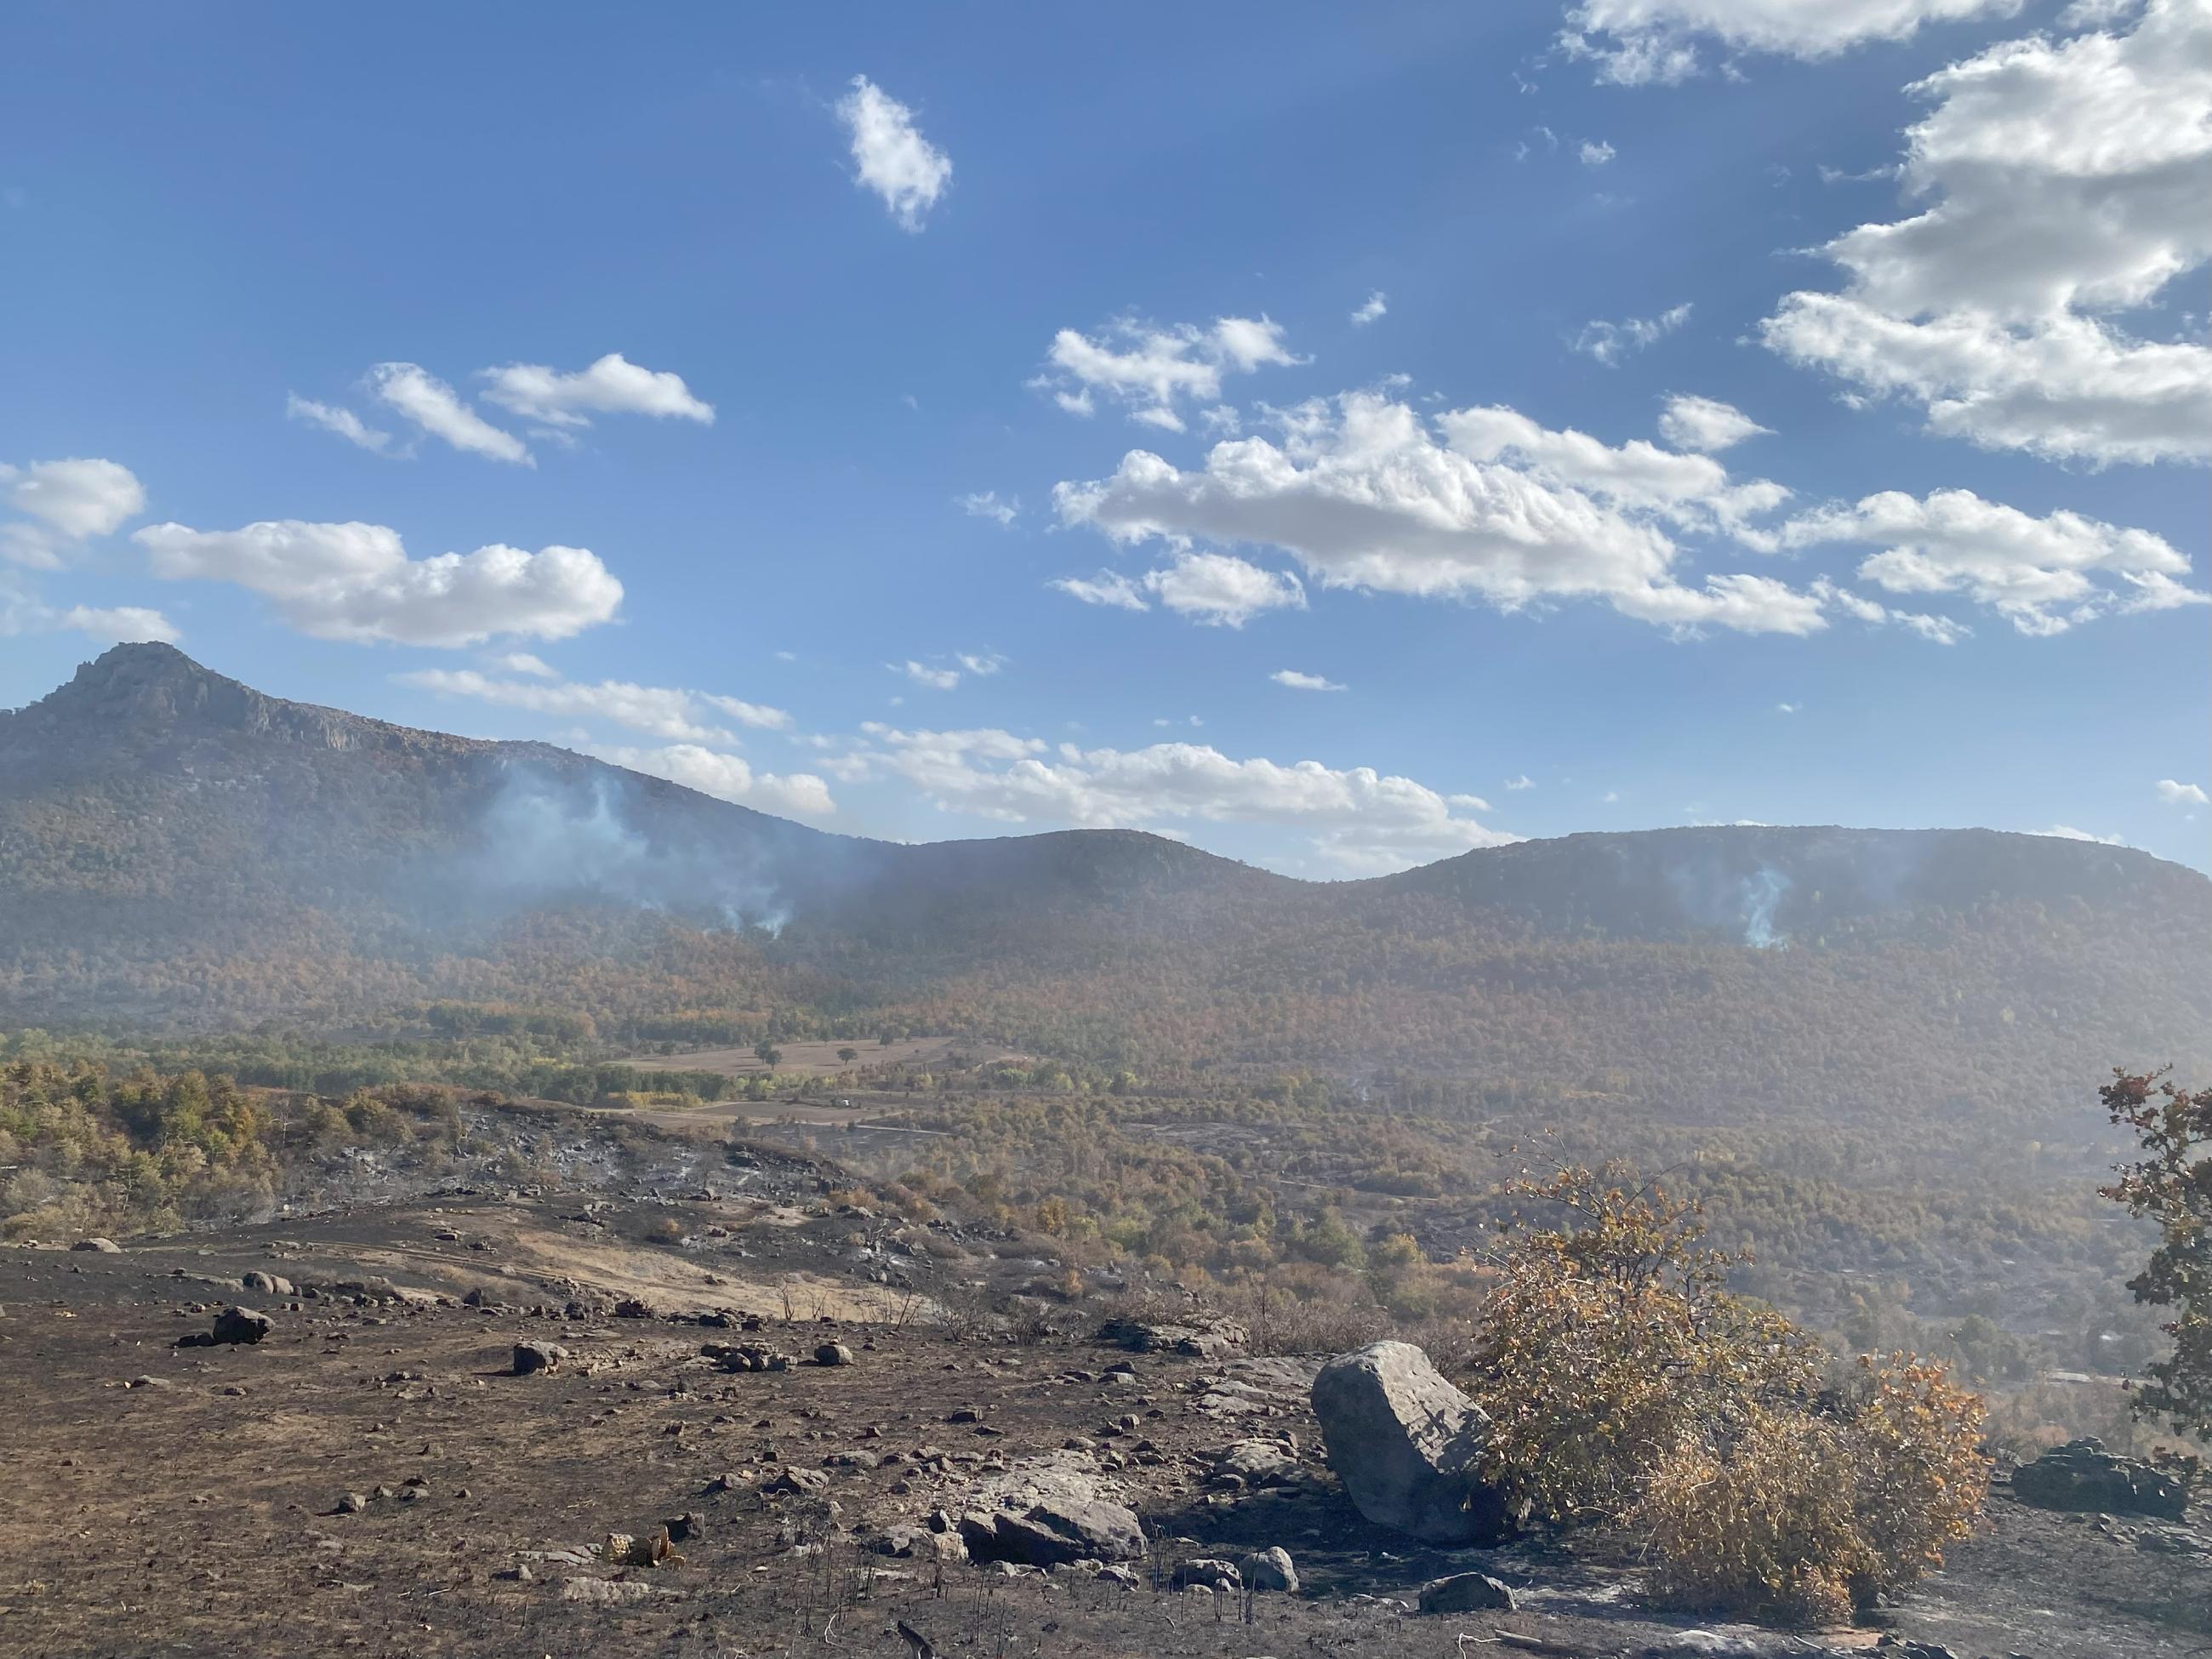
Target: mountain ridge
[180,852]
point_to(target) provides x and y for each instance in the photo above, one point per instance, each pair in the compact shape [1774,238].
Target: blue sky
[1772,411]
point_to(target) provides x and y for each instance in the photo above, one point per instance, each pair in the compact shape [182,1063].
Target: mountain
[177,851]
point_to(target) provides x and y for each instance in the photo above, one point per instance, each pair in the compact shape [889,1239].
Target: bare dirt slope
[162,1500]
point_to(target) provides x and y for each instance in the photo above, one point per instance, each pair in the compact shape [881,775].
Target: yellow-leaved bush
[1627,1385]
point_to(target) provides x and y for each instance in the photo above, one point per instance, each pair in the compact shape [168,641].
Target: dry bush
[1626,1384]
[1807,1517]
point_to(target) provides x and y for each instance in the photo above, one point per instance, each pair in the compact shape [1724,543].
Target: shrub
[1626,1384]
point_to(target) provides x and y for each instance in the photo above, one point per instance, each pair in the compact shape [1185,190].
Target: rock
[1406,1444]
[833,1354]
[1108,1531]
[1117,1574]
[604,1592]
[798,1482]
[530,1356]
[1467,1592]
[1204,1339]
[241,1325]
[1206,1573]
[1270,1570]
[689,1525]
[923,1542]
[2081,1475]
[631,1307]
[352,1504]
[268,1284]
[105,1246]
[1256,1463]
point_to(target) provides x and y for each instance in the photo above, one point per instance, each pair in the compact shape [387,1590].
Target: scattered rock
[1467,1592]
[1270,1570]
[1207,1339]
[604,1592]
[1206,1573]
[833,1354]
[105,1246]
[232,1325]
[1407,1444]
[631,1307]
[2081,1475]
[1255,1464]
[798,1482]
[531,1357]
[352,1504]
[268,1284]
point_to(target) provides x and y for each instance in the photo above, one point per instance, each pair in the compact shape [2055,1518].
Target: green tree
[2171,1185]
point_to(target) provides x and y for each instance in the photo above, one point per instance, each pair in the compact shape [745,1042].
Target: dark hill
[178,850]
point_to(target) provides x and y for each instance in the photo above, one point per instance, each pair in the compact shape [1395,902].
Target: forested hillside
[180,852]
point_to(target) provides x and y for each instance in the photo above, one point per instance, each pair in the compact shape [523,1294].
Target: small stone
[352,1504]
[1467,1592]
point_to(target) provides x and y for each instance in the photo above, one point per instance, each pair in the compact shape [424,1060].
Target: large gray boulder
[1407,1445]
[2082,1475]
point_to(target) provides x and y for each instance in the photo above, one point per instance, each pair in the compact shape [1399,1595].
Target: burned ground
[168,1500]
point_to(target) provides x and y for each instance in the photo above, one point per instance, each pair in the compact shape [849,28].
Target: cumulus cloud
[121,623]
[657,711]
[1595,152]
[2043,575]
[986,504]
[343,422]
[1215,588]
[2064,182]
[66,502]
[355,581]
[1609,343]
[612,386]
[1521,781]
[1107,587]
[1637,42]
[890,155]
[1360,820]
[1300,682]
[1372,309]
[937,679]
[1705,424]
[726,777]
[420,395]
[522,662]
[1481,504]
[1150,369]
[2175,793]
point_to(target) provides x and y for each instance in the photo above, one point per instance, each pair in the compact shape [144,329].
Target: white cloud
[72,501]
[1786,708]
[343,422]
[2043,575]
[1107,587]
[1522,781]
[120,623]
[986,504]
[726,777]
[428,401]
[1705,424]
[890,155]
[1223,590]
[1637,42]
[980,663]
[1609,343]
[1373,307]
[937,679]
[1595,152]
[355,581]
[1298,682]
[2063,184]
[1365,495]
[1361,820]
[2181,794]
[522,662]
[1149,369]
[657,711]
[612,386]
[1216,588]
[2068,832]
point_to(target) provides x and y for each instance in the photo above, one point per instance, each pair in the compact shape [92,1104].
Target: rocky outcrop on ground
[2082,1475]
[1407,1446]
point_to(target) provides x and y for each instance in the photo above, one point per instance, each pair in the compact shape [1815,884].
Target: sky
[1339,437]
